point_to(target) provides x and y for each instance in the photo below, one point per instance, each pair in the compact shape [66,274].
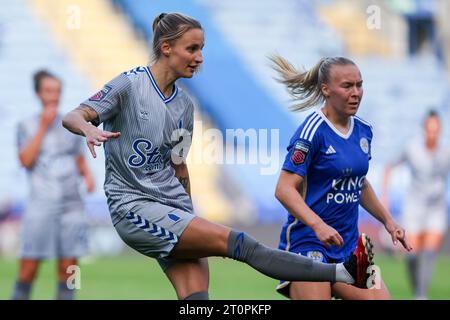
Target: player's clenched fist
[328,235]
[48,115]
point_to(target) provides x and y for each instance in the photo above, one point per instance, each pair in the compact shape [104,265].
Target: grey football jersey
[54,177]
[429,171]
[137,164]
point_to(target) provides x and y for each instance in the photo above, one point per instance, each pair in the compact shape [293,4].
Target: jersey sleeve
[370,143]
[107,101]
[300,154]
[22,136]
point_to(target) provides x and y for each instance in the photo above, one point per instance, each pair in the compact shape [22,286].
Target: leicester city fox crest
[364,144]
[315,255]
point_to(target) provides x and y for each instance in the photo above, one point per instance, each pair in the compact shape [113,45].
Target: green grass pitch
[137,277]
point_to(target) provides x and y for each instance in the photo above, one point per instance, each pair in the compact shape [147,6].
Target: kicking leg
[202,238]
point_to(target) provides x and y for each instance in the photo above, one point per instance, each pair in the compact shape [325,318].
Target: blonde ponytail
[305,86]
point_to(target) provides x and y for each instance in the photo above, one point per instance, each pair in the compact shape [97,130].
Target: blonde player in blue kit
[323,179]
[144,114]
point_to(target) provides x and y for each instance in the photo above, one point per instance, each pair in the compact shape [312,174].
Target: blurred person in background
[423,29]
[148,124]
[323,179]
[425,210]
[54,223]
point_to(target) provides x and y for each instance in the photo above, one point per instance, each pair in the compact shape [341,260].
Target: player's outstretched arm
[287,193]
[372,204]
[77,121]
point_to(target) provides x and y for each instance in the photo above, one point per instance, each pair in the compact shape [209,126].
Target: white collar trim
[344,136]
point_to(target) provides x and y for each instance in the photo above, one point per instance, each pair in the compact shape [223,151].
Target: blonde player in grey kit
[425,211]
[148,122]
[54,223]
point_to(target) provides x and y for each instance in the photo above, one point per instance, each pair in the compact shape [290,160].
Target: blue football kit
[333,166]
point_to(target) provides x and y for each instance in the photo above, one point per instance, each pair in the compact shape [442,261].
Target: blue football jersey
[333,166]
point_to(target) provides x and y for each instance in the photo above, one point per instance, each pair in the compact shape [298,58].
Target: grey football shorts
[153,229]
[49,233]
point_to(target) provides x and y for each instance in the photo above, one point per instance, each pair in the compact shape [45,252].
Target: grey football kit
[149,207]
[54,222]
[425,207]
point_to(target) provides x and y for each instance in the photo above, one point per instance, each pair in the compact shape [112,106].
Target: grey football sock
[22,291]
[202,295]
[411,262]
[64,293]
[425,272]
[278,264]
[343,275]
